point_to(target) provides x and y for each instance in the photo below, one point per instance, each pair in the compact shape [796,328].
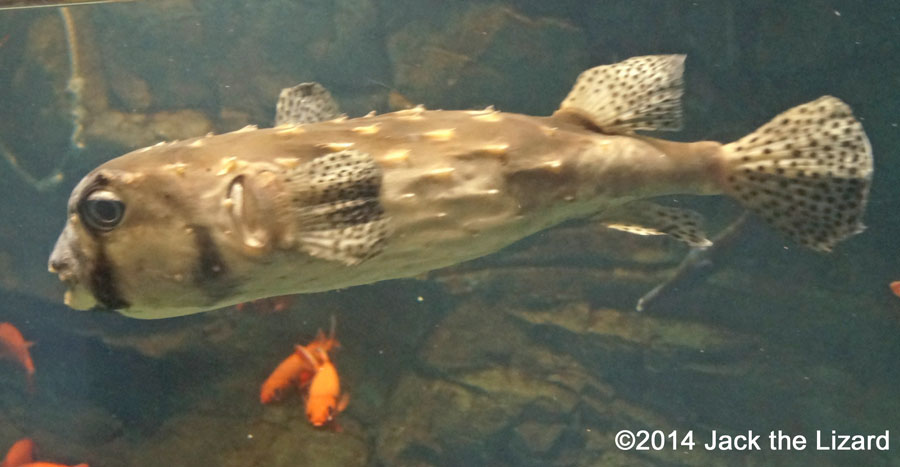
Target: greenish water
[531,356]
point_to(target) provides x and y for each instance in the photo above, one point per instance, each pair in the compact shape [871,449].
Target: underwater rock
[533,438]
[487,54]
[140,130]
[132,91]
[482,379]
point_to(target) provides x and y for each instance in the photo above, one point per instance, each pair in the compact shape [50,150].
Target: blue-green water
[531,356]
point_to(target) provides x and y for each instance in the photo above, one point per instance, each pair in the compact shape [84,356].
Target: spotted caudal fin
[641,93]
[806,172]
[305,103]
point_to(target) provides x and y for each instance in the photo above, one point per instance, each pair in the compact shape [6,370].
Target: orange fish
[19,454]
[296,370]
[14,347]
[895,287]
[324,400]
[289,373]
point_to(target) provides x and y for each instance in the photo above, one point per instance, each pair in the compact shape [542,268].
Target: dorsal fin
[641,93]
[305,103]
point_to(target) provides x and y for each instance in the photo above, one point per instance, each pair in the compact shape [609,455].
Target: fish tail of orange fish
[895,287]
[308,356]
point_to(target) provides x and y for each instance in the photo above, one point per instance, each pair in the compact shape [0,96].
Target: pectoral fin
[305,103]
[337,207]
[646,218]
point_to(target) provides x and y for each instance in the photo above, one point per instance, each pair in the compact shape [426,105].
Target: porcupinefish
[322,201]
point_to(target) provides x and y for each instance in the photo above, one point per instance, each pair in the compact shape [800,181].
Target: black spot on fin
[646,218]
[305,103]
[336,198]
[641,93]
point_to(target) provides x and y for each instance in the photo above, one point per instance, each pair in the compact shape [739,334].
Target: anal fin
[646,218]
[305,103]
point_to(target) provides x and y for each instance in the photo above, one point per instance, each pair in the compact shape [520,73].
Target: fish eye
[102,210]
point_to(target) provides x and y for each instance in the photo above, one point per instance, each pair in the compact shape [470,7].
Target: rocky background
[532,356]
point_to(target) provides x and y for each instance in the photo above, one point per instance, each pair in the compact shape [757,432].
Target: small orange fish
[289,373]
[299,368]
[324,400]
[296,370]
[895,287]
[14,347]
[3,40]
[21,452]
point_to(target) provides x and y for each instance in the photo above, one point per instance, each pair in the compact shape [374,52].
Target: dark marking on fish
[211,272]
[103,283]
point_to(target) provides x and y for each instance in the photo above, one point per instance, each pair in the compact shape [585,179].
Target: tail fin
[807,172]
[641,93]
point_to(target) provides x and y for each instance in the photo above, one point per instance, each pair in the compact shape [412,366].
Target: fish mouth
[76,296]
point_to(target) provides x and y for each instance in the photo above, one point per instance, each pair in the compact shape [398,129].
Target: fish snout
[61,260]
[67,266]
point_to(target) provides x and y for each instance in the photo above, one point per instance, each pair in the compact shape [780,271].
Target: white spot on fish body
[196,144]
[229,164]
[366,130]
[371,114]
[287,162]
[492,117]
[247,128]
[495,149]
[442,173]
[487,110]
[444,134]
[552,166]
[290,130]
[335,146]
[396,156]
[407,196]
[130,177]
[411,114]
[177,167]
